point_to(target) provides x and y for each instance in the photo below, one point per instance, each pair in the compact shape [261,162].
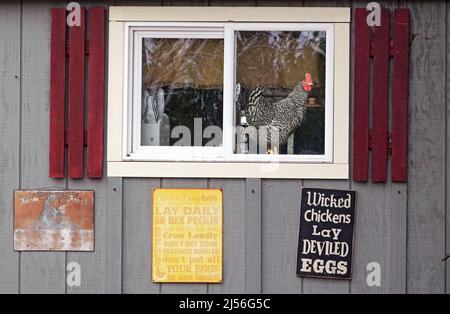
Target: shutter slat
[381,52]
[361,97]
[57,93]
[96,80]
[76,98]
[399,132]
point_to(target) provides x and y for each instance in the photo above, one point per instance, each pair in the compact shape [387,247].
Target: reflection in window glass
[182,91]
[280,85]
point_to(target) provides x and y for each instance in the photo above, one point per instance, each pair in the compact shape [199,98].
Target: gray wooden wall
[403,227]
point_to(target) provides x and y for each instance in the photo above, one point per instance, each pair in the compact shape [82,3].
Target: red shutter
[75,136]
[377,139]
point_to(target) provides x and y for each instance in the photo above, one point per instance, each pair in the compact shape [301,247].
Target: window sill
[228,170]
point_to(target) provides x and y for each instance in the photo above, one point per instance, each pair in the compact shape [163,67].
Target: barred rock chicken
[285,115]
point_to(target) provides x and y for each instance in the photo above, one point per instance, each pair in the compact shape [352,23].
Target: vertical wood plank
[280,225]
[93,278]
[137,235]
[361,96]
[96,92]
[40,272]
[114,238]
[399,158]
[94,265]
[278,204]
[380,237]
[57,92]
[253,234]
[76,98]
[181,287]
[448,156]
[184,183]
[234,247]
[239,274]
[397,208]
[381,49]
[315,285]
[10,50]
[136,219]
[426,175]
[101,270]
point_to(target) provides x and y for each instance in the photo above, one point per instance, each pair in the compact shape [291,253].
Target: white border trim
[336,170]
[226,170]
[115,91]
[161,30]
[229,14]
[329,101]
[135,32]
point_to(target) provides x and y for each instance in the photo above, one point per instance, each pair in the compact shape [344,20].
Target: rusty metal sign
[53,220]
[187,235]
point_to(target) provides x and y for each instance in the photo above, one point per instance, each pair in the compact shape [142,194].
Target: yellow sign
[187,235]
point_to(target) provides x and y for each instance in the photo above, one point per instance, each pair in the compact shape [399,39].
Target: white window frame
[134,160]
[132,148]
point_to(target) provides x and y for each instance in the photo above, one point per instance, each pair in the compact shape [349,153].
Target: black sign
[326,233]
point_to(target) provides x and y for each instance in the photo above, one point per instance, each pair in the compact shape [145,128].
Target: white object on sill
[243,137]
[156,133]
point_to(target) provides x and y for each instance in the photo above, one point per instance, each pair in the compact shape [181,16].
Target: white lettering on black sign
[326,233]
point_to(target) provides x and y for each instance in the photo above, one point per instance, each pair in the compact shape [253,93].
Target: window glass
[182,91]
[280,92]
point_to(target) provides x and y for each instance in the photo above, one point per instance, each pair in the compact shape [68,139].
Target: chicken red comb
[307,82]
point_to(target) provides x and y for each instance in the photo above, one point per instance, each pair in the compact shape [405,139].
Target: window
[228,92]
[176,84]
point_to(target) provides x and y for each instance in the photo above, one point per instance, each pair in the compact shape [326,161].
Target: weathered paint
[53,221]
